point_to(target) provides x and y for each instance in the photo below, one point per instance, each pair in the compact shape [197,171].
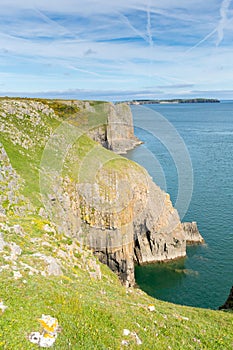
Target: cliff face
[111,126]
[126,218]
[120,131]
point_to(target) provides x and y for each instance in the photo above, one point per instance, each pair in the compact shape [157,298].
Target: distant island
[177,100]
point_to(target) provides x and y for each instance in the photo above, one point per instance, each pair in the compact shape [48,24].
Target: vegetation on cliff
[44,270]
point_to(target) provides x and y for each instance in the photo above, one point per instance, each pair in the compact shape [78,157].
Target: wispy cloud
[51,22]
[223,21]
[176,86]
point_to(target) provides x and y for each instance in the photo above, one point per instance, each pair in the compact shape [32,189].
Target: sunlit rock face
[192,233]
[126,218]
[120,129]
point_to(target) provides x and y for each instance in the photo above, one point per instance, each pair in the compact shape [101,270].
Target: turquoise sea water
[205,277]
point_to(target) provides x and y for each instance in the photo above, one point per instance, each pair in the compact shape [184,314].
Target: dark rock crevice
[228,305]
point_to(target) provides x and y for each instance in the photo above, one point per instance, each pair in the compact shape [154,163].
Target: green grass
[93,314]
[27,167]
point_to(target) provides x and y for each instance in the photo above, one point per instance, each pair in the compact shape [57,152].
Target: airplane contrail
[83,70]
[219,28]
[223,21]
[148,27]
[126,21]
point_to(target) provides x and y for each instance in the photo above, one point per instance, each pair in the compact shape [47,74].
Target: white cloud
[223,21]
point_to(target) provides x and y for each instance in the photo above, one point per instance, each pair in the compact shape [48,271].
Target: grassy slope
[92,313]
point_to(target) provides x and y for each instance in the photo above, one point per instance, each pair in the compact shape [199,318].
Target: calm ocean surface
[205,277]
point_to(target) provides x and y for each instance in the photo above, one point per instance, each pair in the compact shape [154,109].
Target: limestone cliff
[120,130]
[126,218]
[109,124]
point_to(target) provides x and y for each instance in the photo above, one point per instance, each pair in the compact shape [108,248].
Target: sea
[188,151]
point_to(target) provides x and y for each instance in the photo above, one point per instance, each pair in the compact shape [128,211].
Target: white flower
[2,306]
[17,275]
[126,332]
[125,342]
[151,308]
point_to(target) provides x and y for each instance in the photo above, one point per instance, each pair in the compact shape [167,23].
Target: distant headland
[177,100]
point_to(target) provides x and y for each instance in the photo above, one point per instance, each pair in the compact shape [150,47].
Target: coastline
[173,101]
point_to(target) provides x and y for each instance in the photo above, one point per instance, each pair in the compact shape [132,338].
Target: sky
[116,50]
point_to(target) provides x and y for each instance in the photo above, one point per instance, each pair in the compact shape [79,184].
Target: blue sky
[116,50]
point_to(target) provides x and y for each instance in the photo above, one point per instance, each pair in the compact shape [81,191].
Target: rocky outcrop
[110,125]
[159,235]
[120,130]
[192,234]
[126,218]
[229,302]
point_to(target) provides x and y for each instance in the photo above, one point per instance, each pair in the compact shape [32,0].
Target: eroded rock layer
[127,218]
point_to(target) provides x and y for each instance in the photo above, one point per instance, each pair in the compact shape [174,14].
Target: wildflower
[126,332]
[2,306]
[196,340]
[125,342]
[17,275]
